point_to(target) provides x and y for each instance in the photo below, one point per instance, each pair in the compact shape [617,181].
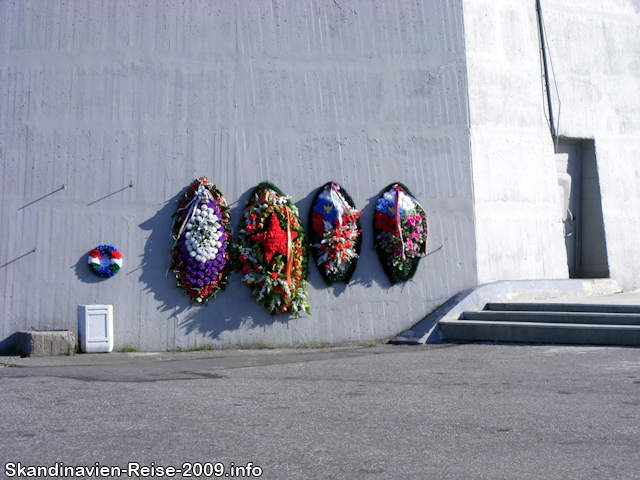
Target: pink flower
[418,218]
[409,244]
[411,221]
[415,236]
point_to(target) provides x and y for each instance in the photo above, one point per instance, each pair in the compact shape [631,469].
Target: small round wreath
[105,261]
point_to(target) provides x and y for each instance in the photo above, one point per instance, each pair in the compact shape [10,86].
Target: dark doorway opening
[579,188]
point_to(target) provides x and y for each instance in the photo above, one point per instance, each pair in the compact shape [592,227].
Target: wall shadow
[63,187]
[111,194]
[304,205]
[8,345]
[369,270]
[235,308]
[18,258]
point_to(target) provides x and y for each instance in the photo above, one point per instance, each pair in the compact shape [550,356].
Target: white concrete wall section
[595,49]
[96,94]
[519,232]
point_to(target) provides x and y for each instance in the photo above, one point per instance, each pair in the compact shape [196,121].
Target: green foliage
[128,349]
[259,252]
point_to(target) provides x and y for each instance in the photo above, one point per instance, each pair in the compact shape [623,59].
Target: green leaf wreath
[272,254]
[400,231]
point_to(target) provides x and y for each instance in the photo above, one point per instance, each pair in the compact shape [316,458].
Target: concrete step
[538,332]
[562,307]
[548,323]
[46,343]
[554,317]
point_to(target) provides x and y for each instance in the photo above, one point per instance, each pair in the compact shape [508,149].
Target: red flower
[261,283]
[194,293]
[95,253]
[176,256]
[116,255]
[257,268]
[385,223]
[204,293]
[276,289]
[317,223]
[252,217]
[249,228]
[186,286]
[274,276]
[242,258]
[246,270]
[273,239]
[182,276]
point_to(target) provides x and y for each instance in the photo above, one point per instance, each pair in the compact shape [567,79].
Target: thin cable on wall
[545,55]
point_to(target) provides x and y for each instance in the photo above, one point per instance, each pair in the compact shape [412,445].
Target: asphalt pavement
[382,412]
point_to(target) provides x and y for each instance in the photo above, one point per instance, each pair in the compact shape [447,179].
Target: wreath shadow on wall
[83,273]
[369,269]
[232,309]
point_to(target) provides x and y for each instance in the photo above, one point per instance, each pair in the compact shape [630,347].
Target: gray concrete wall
[595,47]
[97,94]
[595,51]
[519,232]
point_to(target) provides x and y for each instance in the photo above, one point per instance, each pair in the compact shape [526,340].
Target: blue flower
[386,207]
[326,210]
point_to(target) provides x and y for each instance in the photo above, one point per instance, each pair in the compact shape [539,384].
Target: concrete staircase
[561,323]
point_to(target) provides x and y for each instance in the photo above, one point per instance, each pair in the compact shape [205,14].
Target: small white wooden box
[95,328]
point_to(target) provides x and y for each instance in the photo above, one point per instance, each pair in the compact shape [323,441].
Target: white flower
[404,202]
